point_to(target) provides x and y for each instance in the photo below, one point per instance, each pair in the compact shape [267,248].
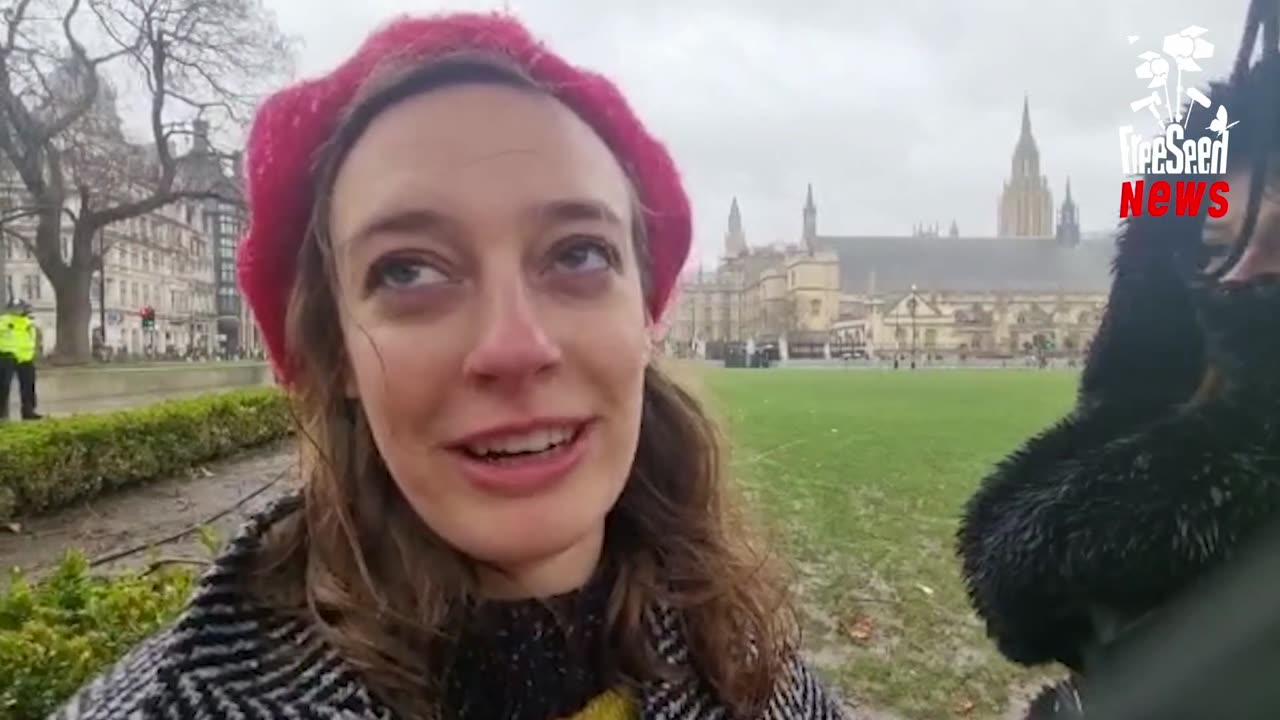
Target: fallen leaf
[925,589]
[861,630]
[13,527]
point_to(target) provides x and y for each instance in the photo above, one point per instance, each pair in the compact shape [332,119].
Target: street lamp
[911,308]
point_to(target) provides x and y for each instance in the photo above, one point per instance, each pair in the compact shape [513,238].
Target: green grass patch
[862,476]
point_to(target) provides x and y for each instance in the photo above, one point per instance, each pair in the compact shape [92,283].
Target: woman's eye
[585,256]
[404,273]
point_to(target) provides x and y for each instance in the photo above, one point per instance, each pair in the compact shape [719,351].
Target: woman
[1082,547]
[507,510]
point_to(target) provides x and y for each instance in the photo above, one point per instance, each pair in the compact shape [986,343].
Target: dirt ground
[151,514]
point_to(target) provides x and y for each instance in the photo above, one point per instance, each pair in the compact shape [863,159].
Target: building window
[31,287]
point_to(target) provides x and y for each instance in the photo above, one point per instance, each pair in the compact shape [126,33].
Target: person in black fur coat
[1168,467]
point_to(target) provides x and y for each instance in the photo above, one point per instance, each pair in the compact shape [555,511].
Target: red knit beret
[293,123]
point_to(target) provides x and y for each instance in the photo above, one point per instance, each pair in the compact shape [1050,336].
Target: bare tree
[60,130]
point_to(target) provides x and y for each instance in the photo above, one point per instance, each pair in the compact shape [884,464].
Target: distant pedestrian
[17,358]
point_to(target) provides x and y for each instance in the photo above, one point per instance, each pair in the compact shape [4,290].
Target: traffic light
[148,318]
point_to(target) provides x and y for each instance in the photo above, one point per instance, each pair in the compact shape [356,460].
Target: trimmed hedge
[64,631]
[55,462]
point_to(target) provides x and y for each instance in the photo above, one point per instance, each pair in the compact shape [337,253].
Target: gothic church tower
[1026,205]
[1069,220]
[735,240]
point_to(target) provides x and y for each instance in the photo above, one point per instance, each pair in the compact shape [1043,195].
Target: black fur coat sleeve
[1036,509]
[1144,492]
[1122,504]
[1077,521]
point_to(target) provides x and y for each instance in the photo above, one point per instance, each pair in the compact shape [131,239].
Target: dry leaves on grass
[860,630]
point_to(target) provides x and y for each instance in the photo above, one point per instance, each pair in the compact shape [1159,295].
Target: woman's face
[1262,254]
[494,324]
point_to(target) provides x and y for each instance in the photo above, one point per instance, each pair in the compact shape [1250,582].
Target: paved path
[107,404]
[153,513]
[57,406]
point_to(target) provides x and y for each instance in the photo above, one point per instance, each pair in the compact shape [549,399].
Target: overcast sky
[897,111]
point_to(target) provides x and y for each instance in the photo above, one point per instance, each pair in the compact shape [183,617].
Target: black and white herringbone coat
[225,657]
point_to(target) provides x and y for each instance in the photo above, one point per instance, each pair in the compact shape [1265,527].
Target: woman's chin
[536,556]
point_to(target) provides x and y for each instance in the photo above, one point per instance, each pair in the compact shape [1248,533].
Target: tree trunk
[73,311]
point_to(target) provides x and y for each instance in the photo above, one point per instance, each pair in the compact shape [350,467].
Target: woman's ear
[656,331]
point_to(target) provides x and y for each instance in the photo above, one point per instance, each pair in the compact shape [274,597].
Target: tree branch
[62,136]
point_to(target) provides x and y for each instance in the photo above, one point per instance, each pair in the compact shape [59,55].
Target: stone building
[224,220]
[162,260]
[171,259]
[1034,287]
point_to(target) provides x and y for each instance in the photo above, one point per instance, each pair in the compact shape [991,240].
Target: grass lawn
[863,475]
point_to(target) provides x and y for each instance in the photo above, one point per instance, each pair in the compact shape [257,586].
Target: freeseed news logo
[1169,152]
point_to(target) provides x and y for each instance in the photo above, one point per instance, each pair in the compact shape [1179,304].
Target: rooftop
[970,264]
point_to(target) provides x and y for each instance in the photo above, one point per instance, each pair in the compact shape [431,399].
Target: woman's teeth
[530,442]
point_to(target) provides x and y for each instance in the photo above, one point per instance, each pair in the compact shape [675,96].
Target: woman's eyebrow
[401,221]
[571,209]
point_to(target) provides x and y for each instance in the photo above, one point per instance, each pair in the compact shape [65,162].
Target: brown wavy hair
[361,566]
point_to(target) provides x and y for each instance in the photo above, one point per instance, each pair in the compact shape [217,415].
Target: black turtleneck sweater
[534,659]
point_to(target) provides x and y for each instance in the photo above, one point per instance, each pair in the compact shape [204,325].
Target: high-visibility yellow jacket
[7,323]
[18,336]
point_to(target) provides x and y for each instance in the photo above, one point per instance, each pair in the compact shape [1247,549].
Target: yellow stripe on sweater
[611,705]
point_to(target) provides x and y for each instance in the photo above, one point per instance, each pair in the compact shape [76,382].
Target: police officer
[17,357]
[8,364]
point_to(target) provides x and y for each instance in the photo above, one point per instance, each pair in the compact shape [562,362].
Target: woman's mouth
[527,460]
[529,445]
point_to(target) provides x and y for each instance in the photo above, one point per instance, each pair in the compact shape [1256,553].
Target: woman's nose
[512,343]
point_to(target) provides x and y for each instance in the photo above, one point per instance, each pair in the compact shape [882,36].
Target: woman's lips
[524,473]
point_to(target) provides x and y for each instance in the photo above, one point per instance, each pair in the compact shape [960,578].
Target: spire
[809,235]
[1026,157]
[735,240]
[1068,220]
[955,229]
[1026,205]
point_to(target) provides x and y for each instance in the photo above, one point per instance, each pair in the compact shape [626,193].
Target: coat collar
[223,636]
